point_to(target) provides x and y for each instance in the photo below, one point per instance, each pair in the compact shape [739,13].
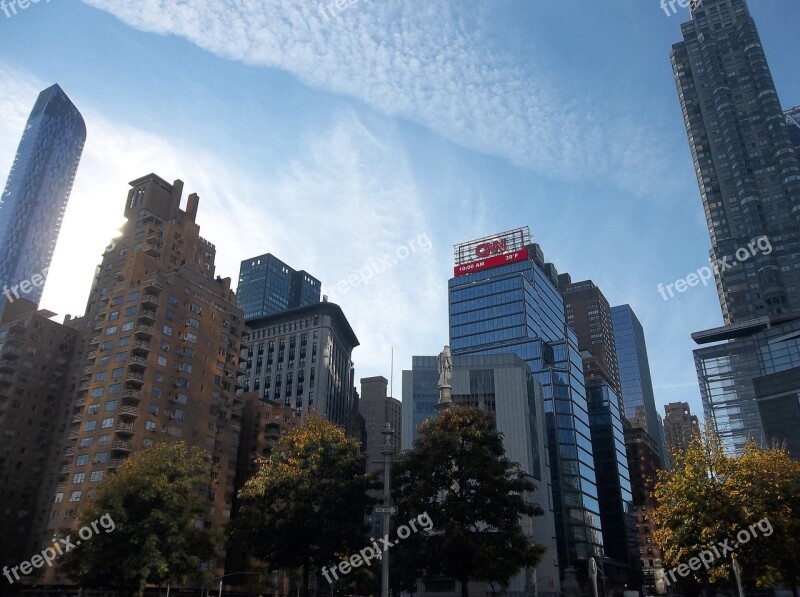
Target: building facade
[635,379]
[158,358]
[680,428]
[268,286]
[35,407]
[504,298]
[35,196]
[747,169]
[302,359]
[503,386]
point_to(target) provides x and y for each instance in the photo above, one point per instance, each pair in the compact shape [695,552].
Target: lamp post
[386,451]
[219,578]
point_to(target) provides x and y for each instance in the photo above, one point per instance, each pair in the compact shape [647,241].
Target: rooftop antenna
[391,375]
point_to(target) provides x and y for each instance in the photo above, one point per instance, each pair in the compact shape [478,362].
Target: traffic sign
[385,510]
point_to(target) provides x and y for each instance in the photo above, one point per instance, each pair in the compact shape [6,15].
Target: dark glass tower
[634,371]
[36,194]
[749,177]
[268,286]
[504,299]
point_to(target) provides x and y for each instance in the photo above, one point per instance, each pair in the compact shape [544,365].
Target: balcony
[129,411]
[132,394]
[125,428]
[115,462]
[98,326]
[5,379]
[84,385]
[135,361]
[152,248]
[11,352]
[69,452]
[144,331]
[77,418]
[65,469]
[73,436]
[141,346]
[17,328]
[122,446]
[135,378]
[90,356]
[94,341]
[87,370]
[80,403]
[6,367]
[147,315]
[153,286]
[150,300]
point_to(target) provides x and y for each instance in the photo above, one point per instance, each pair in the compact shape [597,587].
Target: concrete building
[35,196]
[268,286]
[503,386]
[302,358]
[35,407]
[159,360]
[680,427]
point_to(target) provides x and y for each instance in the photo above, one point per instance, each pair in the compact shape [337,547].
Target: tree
[305,506]
[153,502]
[458,473]
[711,497]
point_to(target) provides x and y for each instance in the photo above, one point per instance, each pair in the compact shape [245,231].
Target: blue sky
[333,140]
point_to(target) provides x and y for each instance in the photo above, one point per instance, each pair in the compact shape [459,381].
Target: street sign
[385,510]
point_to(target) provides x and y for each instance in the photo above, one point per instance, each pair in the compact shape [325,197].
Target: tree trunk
[794,588]
[464,587]
[141,588]
[304,582]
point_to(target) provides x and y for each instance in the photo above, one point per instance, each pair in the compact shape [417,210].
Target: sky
[360,142]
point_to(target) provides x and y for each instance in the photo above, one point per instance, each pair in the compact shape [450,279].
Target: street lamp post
[386,451]
[219,578]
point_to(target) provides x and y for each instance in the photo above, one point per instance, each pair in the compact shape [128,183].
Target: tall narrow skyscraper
[746,166]
[36,194]
[749,177]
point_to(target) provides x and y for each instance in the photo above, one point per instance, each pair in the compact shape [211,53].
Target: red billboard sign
[492,251]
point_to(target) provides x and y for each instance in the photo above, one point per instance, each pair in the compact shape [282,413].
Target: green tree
[710,497]
[458,473]
[153,502]
[305,506]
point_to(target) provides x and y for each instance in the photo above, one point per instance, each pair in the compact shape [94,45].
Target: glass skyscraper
[634,372]
[35,196]
[268,286]
[749,176]
[506,300]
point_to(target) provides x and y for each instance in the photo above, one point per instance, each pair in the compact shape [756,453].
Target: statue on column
[444,362]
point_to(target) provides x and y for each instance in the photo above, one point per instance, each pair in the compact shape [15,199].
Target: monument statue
[444,362]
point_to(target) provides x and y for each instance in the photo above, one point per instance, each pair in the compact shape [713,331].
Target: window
[101,375]
[172,300]
[111,330]
[134,295]
[101,457]
[124,341]
[82,460]
[162,360]
[78,478]
[109,422]
[59,497]
[96,476]
[75,496]
[179,415]
[156,393]
[128,325]
[153,409]
[146,443]
[194,323]
[103,361]
[117,373]
[103,440]
[191,337]
[93,409]
[96,393]
[115,388]
[85,442]
[149,426]
[120,356]
[114,315]
[90,425]
[111,405]
[130,311]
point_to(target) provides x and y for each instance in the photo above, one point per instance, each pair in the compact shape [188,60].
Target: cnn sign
[494,247]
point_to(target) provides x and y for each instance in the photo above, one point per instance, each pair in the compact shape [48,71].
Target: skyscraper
[749,176]
[680,427]
[504,298]
[268,286]
[634,370]
[36,194]
[793,124]
[747,169]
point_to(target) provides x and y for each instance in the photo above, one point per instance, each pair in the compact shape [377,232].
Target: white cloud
[349,198]
[417,61]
